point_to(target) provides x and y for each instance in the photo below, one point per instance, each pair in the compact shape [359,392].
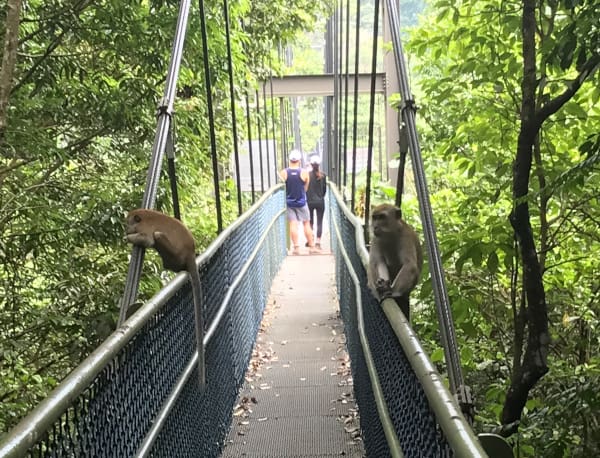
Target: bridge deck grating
[299,403]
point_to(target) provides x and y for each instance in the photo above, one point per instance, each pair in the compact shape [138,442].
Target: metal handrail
[457,430]
[32,428]
[382,408]
[162,416]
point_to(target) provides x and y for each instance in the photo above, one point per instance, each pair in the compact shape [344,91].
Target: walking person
[315,195]
[296,183]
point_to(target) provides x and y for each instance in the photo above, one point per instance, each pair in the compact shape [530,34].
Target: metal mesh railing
[107,406]
[418,431]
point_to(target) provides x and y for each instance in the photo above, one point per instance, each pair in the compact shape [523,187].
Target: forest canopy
[79,86]
[509,123]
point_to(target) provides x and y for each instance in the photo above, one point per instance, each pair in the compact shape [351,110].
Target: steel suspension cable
[236,152]
[346,77]
[259,133]
[165,111]
[211,116]
[335,149]
[282,122]
[435,264]
[371,119]
[339,100]
[250,153]
[273,116]
[170,149]
[354,126]
[266,118]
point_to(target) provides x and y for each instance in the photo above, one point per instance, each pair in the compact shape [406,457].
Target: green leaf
[492,262]
[437,355]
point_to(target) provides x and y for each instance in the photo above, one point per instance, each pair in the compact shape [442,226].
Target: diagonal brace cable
[408,111]
[165,111]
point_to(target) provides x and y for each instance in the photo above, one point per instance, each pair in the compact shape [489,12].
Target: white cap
[295,155]
[315,159]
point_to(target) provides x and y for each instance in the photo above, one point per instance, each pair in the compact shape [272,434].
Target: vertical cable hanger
[170,148]
[165,110]
[236,152]
[273,114]
[371,119]
[340,92]
[346,77]
[211,117]
[266,118]
[250,152]
[282,122]
[260,154]
[249,132]
[354,126]
[335,149]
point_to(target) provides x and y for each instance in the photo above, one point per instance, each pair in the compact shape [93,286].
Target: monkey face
[132,221]
[385,219]
[139,230]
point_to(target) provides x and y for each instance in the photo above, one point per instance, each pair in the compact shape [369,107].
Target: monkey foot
[385,294]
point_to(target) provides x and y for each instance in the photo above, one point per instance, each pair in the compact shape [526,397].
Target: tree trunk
[9,58]
[534,364]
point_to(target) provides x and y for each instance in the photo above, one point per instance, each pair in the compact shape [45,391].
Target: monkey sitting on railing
[395,257]
[177,249]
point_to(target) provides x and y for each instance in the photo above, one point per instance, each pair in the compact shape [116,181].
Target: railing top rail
[456,429]
[31,428]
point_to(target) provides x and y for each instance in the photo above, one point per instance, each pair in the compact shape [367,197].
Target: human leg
[294,236]
[304,217]
[293,220]
[320,212]
[308,233]
[311,209]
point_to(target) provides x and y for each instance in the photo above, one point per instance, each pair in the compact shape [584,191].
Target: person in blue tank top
[296,183]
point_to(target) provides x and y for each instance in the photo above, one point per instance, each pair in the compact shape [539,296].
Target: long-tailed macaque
[395,257]
[175,245]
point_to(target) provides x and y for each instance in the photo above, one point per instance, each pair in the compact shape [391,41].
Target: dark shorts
[298,214]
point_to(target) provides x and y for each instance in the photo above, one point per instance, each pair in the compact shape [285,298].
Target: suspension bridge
[137,394]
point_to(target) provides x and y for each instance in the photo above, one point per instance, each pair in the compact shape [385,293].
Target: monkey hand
[140,239]
[384,289]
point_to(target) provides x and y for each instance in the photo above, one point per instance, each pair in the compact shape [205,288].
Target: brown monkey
[175,245]
[395,258]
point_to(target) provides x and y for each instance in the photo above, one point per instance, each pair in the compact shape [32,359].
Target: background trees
[510,93]
[78,95]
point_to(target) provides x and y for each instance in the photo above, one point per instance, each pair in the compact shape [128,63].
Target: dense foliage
[487,79]
[79,93]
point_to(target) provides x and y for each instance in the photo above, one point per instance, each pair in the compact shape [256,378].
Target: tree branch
[555,104]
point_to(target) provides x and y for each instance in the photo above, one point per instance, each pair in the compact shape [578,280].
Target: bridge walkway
[297,399]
